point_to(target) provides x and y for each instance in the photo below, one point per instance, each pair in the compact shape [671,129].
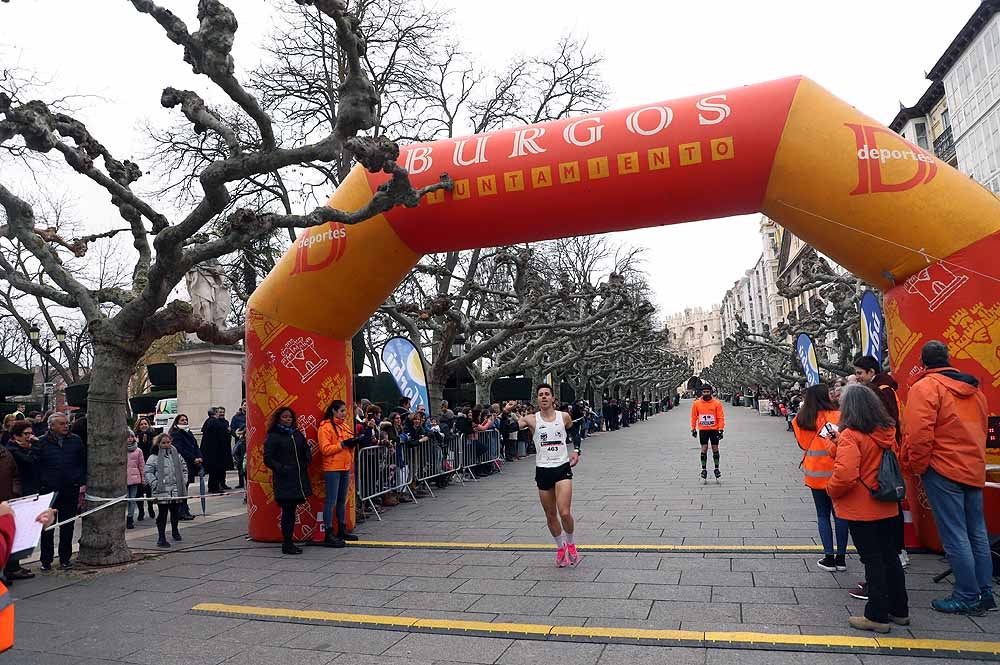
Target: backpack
[891,486]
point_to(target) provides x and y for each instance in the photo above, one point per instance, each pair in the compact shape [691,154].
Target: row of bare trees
[769,360]
[250,157]
[577,309]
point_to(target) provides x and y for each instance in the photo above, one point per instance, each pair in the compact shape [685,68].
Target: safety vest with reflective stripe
[817,464]
[6,619]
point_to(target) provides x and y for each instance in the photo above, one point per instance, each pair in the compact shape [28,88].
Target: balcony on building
[944,147]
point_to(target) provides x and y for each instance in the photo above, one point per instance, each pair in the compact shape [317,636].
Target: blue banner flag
[403,361]
[872,325]
[806,352]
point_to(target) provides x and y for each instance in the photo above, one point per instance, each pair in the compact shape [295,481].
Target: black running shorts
[708,436]
[547,477]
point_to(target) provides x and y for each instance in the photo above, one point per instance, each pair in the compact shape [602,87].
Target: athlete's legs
[704,437]
[564,503]
[548,499]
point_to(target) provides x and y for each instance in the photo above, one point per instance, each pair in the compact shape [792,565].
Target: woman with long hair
[866,432]
[815,431]
[287,455]
[336,444]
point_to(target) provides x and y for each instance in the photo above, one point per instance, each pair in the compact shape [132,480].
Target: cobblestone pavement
[636,486]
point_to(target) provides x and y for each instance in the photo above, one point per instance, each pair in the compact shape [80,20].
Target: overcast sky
[872,53]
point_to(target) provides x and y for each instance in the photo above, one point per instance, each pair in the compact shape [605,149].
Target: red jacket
[855,474]
[944,427]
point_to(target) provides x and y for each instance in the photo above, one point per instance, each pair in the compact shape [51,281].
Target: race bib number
[706,419]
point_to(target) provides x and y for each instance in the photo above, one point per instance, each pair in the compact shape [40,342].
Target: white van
[166,409]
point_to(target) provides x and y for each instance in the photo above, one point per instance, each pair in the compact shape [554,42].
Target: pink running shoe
[571,555]
[561,559]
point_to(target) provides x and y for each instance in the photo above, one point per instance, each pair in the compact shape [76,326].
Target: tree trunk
[483,390]
[435,391]
[103,540]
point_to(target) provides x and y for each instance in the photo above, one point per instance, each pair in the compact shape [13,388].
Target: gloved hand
[721,434]
[694,434]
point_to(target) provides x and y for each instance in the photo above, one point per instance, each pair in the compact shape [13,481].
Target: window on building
[945,119]
[921,129]
[706,328]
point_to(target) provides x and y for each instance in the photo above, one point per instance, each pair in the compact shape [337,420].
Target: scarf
[132,446]
[285,429]
[180,479]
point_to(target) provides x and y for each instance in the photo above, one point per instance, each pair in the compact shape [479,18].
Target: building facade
[695,334]
[958,117]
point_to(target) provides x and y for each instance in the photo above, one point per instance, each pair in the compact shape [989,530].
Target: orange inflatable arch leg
[882,207]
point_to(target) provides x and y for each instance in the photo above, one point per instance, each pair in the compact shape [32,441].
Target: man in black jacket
[61,467]
[215,450]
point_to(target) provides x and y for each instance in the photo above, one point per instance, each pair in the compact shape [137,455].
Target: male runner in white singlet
[554,460]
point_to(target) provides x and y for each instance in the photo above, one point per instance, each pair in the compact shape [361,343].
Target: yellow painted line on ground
[957,646]
[592,547]
[628,633]
[316,615]
[611,634]
[788,638]
[485,626]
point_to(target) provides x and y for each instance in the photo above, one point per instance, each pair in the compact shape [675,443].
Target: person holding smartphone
[815,428]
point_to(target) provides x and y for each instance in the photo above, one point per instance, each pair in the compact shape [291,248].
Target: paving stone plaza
[637,486]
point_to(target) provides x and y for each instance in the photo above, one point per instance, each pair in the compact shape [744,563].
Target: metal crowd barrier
[427,460]
[377,471]
[378,474]
[485,448]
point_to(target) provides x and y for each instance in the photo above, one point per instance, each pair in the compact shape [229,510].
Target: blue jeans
[958,514]
[338,484]
[824,511]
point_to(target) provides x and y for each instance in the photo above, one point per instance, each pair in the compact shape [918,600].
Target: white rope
[108,502]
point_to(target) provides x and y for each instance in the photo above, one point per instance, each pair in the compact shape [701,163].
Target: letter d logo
[870,177]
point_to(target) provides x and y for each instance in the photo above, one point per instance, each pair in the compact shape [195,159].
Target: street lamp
[35,335]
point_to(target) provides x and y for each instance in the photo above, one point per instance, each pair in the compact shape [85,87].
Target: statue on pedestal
[209,292]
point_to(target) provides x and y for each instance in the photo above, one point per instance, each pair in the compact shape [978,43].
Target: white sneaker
[904,559]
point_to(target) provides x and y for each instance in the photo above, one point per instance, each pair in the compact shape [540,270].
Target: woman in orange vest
[336,444]
[46,517]
[815,429]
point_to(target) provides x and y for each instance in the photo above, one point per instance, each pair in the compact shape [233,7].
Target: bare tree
[124,321]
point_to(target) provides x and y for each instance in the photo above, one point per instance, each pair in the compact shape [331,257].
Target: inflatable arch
[883,208]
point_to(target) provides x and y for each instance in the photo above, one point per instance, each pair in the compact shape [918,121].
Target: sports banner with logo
[805,349]
[403,361]
[872,325]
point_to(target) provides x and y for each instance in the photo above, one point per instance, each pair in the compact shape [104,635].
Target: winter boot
[176,535]
[342,530]
[129,524]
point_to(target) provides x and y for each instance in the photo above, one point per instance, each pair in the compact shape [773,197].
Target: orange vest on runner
[6,619]
[817,463]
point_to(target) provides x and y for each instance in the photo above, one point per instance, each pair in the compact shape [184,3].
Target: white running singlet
[551,449]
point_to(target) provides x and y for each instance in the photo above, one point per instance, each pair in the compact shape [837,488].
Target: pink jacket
[136,463]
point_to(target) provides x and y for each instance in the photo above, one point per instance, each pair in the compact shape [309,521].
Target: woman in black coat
[287,455]
[215,446]
[187,446]
[144,438]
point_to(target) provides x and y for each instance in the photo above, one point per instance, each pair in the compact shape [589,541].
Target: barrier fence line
[107,502]
[380,470]
[480,449]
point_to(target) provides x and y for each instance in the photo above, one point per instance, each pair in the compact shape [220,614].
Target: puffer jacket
[288,457]
[945,427]
[855,472]
[169,486]
[135,467]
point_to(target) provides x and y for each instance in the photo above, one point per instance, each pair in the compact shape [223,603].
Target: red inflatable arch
[880,206]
